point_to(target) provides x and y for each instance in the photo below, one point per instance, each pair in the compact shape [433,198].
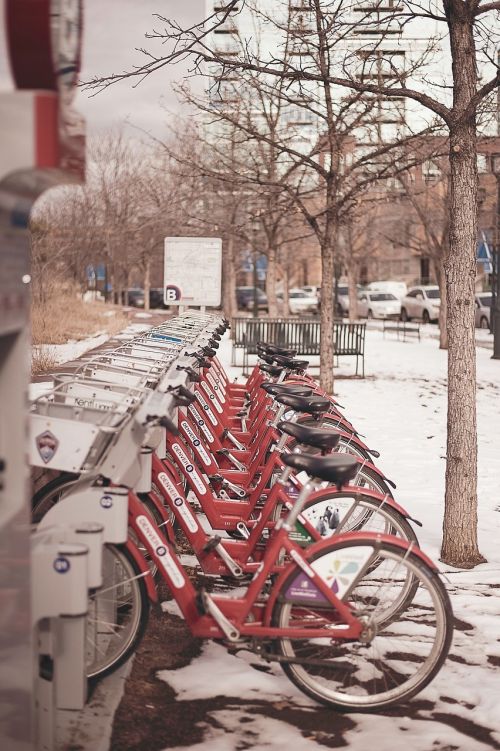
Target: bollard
[59,589]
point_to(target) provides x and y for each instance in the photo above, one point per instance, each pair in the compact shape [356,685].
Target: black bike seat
[272,370]
[291,363]
[323,439]
[286,388]
[338,469]
[273,349]
[311,405]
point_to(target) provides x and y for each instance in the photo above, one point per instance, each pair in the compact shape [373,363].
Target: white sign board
[193,271]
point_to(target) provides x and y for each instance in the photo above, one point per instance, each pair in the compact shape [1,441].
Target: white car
[378,305]
[421,302]
[302,302]
[396,288]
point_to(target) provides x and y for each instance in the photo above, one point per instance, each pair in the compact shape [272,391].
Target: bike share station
[134,427]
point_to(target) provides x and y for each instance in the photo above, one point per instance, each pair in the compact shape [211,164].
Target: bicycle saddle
[290,362]
[318,437]
[272,370]
[273,349]
[286,388]
[338,469]
[312,405]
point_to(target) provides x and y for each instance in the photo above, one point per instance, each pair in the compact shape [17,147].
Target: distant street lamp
[255,226]
[495,310]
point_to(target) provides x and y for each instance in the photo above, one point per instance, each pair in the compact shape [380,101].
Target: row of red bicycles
[305,557]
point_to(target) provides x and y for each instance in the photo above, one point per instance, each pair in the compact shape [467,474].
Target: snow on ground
[72,350]
[401,408]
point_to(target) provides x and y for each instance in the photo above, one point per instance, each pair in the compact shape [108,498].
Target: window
[431,171]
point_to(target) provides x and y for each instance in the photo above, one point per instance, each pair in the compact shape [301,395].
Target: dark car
[245,295]
[135,298]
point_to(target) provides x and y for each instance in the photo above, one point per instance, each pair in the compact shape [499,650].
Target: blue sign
[483,255]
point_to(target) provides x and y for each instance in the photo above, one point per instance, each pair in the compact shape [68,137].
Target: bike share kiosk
[41,145]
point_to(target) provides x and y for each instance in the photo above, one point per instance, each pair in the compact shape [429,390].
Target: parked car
[399,289]
[302,302]
[245,295]
[135,298]
[421,302]
[312,290]
[378,305]
[483,310]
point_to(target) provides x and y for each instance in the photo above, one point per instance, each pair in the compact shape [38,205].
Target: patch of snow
[72,350]
[143,315]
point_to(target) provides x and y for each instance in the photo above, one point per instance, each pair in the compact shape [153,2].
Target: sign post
[193,271]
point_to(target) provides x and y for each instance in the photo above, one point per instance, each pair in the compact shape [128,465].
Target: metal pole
[255,280]
[495,311]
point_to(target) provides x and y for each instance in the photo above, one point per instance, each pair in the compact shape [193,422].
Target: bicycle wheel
[368,478]
[353,512]
[117,613]
[48,495]
[402,649]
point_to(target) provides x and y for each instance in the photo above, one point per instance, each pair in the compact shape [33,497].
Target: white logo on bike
[206,407]
[194,476]
[173,493]
[197,444]
[202,424]
[211,396]
[163,554]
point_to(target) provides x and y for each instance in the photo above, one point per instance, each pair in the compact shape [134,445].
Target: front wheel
[426,317]
[117,613]
[483,323]
[401,651]
[404,315]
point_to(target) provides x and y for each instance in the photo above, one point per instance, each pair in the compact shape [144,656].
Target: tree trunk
[229,280]
[271,277]
[460,546]
[147,282]
[352,281]
[443,308]
[327,312]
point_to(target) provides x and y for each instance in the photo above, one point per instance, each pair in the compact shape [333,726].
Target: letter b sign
[172,294]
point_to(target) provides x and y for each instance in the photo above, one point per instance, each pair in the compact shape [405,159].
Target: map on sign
[193,271]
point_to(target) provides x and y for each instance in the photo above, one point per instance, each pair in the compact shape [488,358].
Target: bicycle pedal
[212,543]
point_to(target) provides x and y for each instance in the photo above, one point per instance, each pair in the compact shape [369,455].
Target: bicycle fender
[330,544]
[144,569]
[388,500]
[379,472]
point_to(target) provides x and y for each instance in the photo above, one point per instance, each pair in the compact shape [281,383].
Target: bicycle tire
[327,681]
[113,653]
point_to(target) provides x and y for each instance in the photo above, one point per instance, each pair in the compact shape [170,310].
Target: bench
[401,328]
[301,334]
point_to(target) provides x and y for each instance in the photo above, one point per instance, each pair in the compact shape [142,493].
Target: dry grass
[66,317]
[43,360]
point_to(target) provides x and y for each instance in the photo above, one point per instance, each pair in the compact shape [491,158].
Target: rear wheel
[402,649]
[426,317]
[404,315]
[370,314]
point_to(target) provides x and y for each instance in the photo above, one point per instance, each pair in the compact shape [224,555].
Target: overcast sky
[112,31]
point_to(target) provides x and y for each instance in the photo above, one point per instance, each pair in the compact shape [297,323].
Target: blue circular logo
[106,501]
[196,442]
[61,565]
[189,468]
[161,550]
[178,501]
